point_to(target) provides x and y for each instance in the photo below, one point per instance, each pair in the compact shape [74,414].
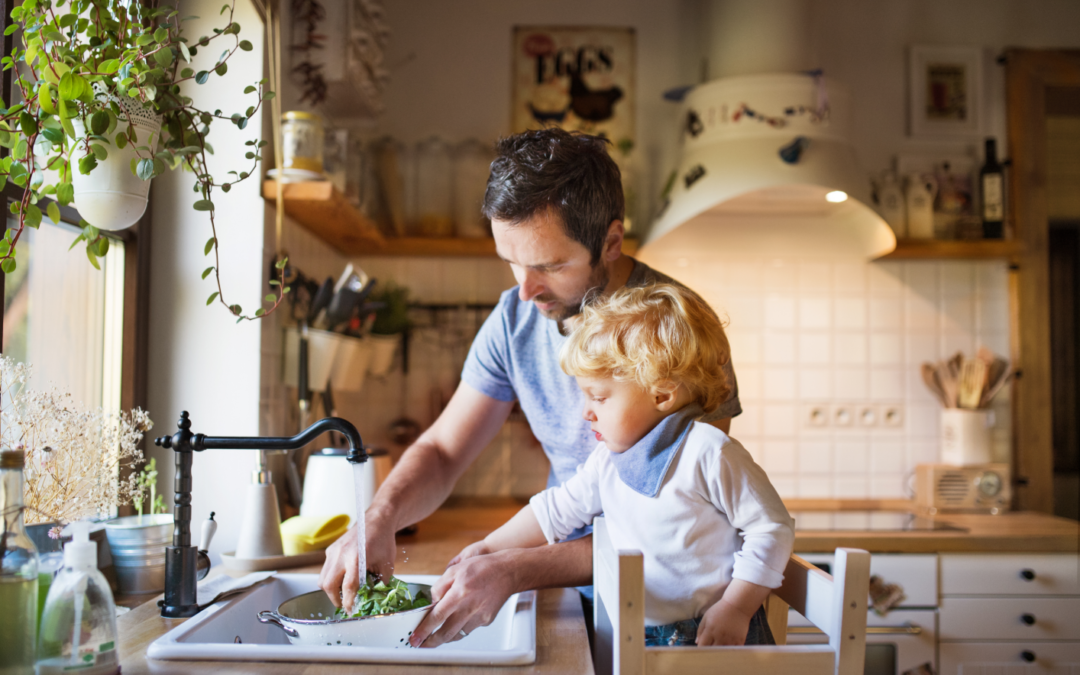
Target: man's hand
[340,576]
[467,596]
[723,624]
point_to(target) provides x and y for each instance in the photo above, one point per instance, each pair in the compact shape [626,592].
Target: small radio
[979,488]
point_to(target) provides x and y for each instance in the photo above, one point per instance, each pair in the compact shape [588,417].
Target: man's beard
[567,309]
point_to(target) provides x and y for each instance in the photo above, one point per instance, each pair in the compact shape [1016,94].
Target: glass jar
[18,573]
[472,166]
[336,157]
[302,141]
[434,188]
[393,165]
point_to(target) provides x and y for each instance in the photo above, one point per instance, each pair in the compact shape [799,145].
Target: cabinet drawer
[1010,574]
[977,658]
[916,574]
[1009,619]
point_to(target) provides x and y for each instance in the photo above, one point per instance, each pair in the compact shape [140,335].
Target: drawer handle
[1027,619]
[1027,575]
[1027,656]
[908,629]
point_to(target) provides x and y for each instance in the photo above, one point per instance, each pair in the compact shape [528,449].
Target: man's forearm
[417,486]
[553,566]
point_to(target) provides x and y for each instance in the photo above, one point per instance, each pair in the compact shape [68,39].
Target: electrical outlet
[843,416]
[867,416]
[816,416]
[891,415]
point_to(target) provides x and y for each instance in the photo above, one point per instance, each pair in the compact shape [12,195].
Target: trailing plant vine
[81,72]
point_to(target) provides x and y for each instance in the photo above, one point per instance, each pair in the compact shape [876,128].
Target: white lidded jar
[78,626]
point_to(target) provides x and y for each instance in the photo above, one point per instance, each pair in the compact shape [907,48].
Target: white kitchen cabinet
[1009,614]
[1036,574]
[1009,618]
[1009,658]
[915,573]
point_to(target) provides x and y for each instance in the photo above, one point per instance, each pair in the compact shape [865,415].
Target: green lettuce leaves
[376,597]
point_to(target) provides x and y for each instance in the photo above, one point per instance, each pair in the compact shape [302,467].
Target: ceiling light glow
[836,196]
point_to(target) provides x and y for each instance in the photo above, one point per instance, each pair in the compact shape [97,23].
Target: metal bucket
[138,551]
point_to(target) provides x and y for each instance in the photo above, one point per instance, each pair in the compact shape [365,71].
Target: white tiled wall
[809,334]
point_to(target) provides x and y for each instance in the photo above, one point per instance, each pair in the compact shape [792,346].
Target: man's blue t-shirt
[516,357]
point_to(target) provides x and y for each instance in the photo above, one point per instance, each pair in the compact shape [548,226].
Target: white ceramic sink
[230,631]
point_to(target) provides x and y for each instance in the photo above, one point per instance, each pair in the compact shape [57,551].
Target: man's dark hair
[569,173]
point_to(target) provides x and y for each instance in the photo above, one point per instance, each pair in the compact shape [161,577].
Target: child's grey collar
[644,465]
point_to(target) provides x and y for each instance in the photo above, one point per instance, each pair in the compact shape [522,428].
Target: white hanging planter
[111,197]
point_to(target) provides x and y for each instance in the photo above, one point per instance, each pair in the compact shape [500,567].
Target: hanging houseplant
[102,113]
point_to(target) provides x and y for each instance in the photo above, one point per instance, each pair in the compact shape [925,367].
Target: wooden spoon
[929,376]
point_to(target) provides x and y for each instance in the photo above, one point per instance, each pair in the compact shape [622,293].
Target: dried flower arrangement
[73,458]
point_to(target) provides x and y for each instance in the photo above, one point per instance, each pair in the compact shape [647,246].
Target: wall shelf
[929,249]
[326,213]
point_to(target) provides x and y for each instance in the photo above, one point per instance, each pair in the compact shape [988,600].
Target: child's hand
[723,624]
[470,551]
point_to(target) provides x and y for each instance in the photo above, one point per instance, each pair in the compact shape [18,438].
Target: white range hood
[766,168]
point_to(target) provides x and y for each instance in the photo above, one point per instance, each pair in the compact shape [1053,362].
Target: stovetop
[869,521]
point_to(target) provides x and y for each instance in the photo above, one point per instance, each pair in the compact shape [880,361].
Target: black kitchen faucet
[181,558]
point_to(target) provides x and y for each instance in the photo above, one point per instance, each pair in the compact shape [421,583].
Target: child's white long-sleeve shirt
[716,517]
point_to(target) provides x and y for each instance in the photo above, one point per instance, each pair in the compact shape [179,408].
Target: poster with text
[580,79]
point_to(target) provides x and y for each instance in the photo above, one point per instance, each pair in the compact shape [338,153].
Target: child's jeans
[684,633]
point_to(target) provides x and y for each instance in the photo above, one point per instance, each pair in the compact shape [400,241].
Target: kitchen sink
[230,631]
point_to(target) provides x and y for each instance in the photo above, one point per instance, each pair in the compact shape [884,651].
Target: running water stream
[360,490]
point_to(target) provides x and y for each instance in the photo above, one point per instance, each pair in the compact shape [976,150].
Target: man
[556,206]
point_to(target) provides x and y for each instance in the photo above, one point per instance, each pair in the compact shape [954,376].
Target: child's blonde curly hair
[659,337]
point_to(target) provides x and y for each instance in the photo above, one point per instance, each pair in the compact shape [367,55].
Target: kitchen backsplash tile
[883,320]
[779,312]
[779,347]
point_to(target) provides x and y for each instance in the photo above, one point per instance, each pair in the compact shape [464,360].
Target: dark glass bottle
[992,185]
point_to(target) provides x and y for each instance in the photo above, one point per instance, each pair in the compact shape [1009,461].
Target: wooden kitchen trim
[325,212]
[1028,73]
[922,249]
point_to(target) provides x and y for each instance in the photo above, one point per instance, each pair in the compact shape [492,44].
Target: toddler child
[714,534]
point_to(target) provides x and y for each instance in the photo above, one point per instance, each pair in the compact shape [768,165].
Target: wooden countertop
[1016,531]
[1019,531]
[562,645]
[561,642]
[1009,532]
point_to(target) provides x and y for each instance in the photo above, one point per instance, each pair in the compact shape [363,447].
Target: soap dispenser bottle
[78,626]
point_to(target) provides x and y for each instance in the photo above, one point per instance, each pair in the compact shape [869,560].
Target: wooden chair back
[836,604]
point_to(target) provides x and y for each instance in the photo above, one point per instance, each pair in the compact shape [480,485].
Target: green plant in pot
[391,320]
[100,112]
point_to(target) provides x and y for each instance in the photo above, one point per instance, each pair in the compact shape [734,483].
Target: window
[65,317]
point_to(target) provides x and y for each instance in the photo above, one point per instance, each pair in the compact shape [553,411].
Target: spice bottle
[18,572]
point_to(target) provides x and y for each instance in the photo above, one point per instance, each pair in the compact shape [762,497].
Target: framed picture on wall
[577,78]
[945,91]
